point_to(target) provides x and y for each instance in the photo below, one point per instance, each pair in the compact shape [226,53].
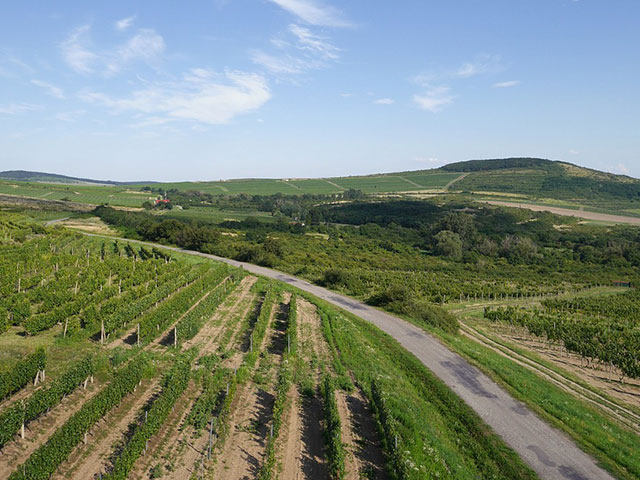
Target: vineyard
[198,370]
[604,330]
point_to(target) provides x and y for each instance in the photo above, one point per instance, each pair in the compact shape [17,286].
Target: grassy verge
[438,434]
[613,445]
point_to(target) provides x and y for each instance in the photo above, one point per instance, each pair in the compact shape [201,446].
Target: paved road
[567,212]
[547,450]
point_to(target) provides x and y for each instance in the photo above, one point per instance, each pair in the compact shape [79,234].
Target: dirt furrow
[168,435]
[184,450]
[88,459]
[243,451]
[360,437]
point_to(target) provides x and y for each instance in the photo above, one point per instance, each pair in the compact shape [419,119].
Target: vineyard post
[210,439]
[138,336]
[66,325]
[175,336]
[288,343]
[102,333]
[251,343]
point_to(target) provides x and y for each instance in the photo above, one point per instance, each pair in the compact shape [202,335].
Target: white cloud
[507,84]
[573,152]
[52,90]
[434,99]
[480,65]
[75,50]
[314,13]
[314,44]
[202,97]
[346,95]
[146,46]
[125,23]
[384,101]
[305,51]
[17,108]
[279,64]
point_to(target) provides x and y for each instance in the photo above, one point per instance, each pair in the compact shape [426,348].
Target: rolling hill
[518,179]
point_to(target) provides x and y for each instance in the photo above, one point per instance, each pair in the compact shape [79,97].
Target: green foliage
[333,430]
[46,459]
[440,436]
[42,400]
[285,380]
[448,244]
[22,373]
[174,383]
[615,342]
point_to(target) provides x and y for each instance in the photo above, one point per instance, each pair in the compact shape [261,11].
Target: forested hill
[544,179]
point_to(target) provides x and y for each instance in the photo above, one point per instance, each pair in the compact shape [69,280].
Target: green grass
[60,352]
[439,434]
[613,445]
[215,215]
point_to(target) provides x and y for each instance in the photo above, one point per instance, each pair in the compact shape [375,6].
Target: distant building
[622,283]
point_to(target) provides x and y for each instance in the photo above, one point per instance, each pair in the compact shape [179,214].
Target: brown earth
[86,460]
[243,452]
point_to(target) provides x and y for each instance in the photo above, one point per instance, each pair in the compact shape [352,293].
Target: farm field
[211,372]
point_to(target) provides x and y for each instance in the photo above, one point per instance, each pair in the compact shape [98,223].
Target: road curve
[547,450]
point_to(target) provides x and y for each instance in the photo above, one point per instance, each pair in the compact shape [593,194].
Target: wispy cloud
[437,82]
[434,99]
[384,101]
[76,52]
[300,51]
[314,44]
[125,23]
[201,96]
[50,89]
[573,152]
[507,84]
[480,65]
[146,46]
[17,108]
[280,64]
[71,116]
[314,12]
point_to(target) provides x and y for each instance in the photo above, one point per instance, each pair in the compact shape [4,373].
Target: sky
[215,89]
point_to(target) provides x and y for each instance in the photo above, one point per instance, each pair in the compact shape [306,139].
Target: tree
[448,244]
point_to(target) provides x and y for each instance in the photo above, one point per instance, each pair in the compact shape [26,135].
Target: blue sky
[203,90]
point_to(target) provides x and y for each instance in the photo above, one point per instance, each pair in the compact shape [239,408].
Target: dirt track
[546,449]
[567,212]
